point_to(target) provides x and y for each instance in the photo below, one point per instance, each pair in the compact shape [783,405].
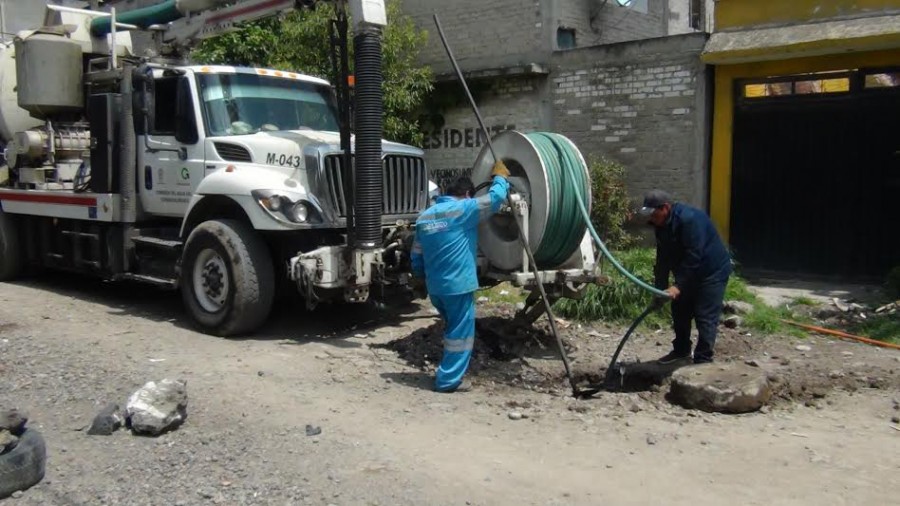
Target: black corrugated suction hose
[369,129]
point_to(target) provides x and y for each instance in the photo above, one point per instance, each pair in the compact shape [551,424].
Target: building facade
[806,135]
[624,82]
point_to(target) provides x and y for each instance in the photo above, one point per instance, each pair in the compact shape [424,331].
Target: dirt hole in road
[506,352]
[525,357]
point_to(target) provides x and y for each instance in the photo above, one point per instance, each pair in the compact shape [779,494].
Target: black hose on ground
[607,380]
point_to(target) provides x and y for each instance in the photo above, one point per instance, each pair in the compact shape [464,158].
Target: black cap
[655,199]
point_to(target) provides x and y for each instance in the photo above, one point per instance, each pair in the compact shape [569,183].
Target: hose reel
[541,166]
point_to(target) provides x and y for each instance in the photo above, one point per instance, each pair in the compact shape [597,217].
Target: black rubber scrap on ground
[23,465]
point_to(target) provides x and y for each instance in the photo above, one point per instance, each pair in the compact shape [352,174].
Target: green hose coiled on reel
[569,216]
[567,181]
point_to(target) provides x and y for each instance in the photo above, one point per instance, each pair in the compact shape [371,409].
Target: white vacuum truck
[228,183]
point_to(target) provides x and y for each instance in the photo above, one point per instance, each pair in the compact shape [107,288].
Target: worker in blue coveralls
[689,247]
[444,256]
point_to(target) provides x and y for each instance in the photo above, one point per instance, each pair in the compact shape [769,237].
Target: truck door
[170,164]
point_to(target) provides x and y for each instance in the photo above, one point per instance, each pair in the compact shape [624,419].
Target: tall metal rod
[2,20]
[538,279]
[462,81]
[112,43]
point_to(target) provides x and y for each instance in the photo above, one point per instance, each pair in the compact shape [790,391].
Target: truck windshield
[241,104]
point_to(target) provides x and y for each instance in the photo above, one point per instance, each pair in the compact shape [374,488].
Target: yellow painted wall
[723,120]
[732,14]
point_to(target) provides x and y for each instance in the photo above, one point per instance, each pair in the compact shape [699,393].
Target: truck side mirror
[185,119]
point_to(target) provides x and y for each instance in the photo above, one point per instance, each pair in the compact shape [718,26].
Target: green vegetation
[621,301]
[610,206]
[300,42]
[803,301]
[503,293]
[880,327]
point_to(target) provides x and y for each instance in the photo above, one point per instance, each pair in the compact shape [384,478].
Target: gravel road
[70,345]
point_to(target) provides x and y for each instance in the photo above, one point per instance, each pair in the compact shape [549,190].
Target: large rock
[157,407]
[724,388]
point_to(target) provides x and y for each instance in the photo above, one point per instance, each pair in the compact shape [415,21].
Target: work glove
[500,170]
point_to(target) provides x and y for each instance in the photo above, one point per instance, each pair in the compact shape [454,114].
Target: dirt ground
[69,345]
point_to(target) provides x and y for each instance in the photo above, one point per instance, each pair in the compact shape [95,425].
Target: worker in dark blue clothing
[689,248]
[443,255]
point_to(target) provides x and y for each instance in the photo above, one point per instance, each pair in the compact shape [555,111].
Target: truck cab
[266,139]
[231,184]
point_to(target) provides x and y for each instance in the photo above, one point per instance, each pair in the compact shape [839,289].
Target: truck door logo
[185,173]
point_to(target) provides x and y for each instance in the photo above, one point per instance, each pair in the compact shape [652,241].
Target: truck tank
[49,73]
[12,117]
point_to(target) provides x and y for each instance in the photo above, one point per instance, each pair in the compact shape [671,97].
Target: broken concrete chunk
[738,307]
[732,322]
[515,415]
[109,420]
[13,420]
[723,388]
[840,305]
[157,407]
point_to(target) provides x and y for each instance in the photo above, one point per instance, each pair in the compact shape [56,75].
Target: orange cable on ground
[838,333]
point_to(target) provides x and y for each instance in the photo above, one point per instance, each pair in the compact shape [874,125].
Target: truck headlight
[299,213]
[272,202]
[287,206]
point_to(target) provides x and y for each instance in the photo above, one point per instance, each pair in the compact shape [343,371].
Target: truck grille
[405,184]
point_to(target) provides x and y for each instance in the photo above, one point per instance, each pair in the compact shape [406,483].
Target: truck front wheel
[10,253]
[227,279]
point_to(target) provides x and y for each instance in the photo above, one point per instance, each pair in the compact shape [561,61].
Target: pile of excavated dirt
[505,353]
[510,354]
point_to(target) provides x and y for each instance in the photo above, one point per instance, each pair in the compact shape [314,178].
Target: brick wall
[454,141]
[596,22]
[640,103]
[496,33]
[482,33]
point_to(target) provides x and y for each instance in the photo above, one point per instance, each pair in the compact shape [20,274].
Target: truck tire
[10,252]
[24,465]
[227,279]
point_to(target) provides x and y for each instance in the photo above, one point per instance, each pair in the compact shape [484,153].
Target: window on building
[565,38]
[697,15]
[822,84]
[882,80]
[637,5]
[811,84]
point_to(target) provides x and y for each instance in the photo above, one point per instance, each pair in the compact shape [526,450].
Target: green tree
[300,42]
[610,207]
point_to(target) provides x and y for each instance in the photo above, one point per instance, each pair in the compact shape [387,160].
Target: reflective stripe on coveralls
[458,312]
[454,345]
